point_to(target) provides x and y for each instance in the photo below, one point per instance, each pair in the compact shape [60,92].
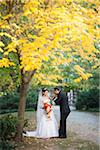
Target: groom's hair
[57,88]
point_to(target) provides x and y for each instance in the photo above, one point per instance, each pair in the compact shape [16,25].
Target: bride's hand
[42,107]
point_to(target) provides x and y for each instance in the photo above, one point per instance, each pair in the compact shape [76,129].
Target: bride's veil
[39,117]
[39,108]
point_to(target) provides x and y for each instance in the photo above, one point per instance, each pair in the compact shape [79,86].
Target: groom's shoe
[62,136]
[24,132]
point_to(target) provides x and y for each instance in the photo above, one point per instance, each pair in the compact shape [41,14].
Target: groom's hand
[54,97]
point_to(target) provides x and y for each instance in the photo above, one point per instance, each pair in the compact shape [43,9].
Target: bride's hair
[44,90]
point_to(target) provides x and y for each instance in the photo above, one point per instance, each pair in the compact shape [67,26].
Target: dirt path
[84,124]
[71,143]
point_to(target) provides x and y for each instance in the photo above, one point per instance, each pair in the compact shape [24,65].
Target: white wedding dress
[46,127]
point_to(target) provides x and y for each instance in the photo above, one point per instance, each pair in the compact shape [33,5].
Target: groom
[62,100]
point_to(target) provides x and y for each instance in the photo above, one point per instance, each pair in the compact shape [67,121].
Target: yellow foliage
[78,69]
[44,31]
[81,73]
[7,16]
[1,50]
[78,80]
[1,44]
[6,63]
[6,34]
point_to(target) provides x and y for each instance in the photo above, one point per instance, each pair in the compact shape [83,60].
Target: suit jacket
[62,100]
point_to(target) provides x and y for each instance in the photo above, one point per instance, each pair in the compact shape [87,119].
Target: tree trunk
[25,80]
[21,110]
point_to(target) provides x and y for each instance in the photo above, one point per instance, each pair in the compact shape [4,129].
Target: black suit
[62,100]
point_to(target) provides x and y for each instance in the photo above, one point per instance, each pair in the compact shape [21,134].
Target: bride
[46,123]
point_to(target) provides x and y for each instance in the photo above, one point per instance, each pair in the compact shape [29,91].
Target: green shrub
[9,102]
[8,125]
[88,99]
[6,145]
[31,99]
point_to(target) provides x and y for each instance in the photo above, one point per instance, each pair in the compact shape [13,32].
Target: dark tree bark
[25,80]
[21,110]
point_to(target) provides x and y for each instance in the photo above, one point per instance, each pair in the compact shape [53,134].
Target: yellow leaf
[1,50]
[78,80]
[6,34]
[1,44]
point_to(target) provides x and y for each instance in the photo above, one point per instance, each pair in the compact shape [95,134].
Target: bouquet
[48,106]
[48,109]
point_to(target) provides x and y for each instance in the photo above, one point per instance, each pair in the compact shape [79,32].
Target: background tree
[37,35]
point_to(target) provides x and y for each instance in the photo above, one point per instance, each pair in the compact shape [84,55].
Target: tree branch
[28,76]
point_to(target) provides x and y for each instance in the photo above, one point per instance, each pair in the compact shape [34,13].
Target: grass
[6,111]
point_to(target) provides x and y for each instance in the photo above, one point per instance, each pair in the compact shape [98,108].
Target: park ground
[82,128]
